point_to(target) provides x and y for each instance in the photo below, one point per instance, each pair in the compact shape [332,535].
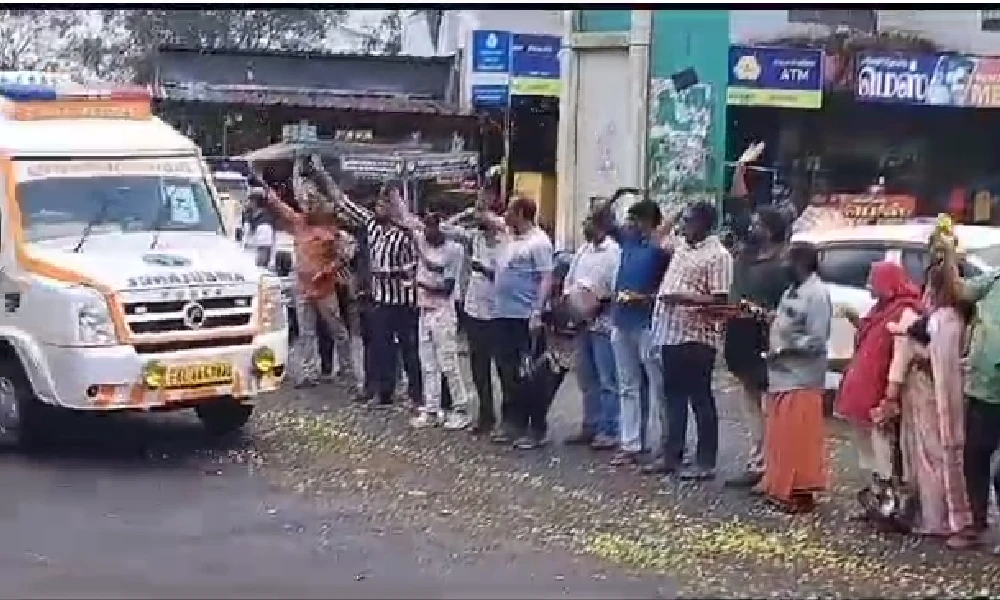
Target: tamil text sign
[934,80]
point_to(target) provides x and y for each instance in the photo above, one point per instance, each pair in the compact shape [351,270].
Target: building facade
[966,31]
[910,98]
[232,101]
[666,133]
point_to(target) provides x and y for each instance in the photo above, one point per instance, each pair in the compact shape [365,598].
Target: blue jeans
[598,379]
[640,375]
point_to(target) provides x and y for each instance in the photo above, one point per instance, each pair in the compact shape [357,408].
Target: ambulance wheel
[223,417]
[22,415]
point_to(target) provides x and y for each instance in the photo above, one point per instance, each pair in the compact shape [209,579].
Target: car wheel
[23,418]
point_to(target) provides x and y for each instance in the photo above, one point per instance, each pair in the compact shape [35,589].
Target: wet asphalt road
[144,508]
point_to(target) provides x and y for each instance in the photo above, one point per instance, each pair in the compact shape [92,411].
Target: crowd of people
[656,297]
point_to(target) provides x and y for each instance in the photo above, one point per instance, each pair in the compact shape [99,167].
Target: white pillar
[566,145]
[640,39]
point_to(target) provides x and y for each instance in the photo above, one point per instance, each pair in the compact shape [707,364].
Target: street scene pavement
[319,499]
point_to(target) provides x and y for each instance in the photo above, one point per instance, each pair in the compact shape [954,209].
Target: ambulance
[122,290]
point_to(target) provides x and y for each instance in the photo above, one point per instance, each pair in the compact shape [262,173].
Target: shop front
[949,102]
[769,90]
[902,134]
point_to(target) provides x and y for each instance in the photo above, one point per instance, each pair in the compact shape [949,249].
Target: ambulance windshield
[58,207]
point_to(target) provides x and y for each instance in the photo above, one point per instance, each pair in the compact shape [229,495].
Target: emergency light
[69,100]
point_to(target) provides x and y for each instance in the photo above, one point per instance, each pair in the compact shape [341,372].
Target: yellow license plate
[201,374]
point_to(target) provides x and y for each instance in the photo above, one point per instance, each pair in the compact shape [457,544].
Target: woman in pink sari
[925,378]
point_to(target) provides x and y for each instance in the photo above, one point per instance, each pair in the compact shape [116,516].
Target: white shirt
[480,293]
[594,268]
[448,256]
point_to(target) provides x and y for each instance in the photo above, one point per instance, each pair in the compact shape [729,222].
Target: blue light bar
[24,92]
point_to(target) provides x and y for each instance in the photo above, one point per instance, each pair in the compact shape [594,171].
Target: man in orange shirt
[321,252]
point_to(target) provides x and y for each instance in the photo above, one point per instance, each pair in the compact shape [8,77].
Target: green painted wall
[604,21]
[688,129]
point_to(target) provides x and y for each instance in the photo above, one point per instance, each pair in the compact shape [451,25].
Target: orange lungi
[794,446]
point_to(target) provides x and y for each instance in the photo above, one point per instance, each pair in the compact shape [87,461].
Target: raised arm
[452,226]
[353,213]
[279,208]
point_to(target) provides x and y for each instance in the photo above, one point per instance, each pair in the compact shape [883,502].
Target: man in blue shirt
[642,265]
[523,281]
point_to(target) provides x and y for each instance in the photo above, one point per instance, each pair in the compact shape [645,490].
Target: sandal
[624,458]
[962,541]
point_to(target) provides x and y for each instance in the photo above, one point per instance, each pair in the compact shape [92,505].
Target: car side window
[848,266]
[916,262]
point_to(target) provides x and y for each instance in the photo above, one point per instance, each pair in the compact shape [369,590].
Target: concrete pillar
[566,216]
[640,38]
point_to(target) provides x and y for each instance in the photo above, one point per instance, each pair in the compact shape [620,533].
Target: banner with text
[935,80]
[780,77]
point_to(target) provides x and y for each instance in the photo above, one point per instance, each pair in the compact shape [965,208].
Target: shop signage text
[781,77]
[505,63]
[935,80]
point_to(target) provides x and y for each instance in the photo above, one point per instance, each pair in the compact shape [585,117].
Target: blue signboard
[491,51]
[781,77]
[490,95]
[534,55]
[931,79]
[893,78]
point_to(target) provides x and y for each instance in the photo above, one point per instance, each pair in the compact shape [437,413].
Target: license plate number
[201,374]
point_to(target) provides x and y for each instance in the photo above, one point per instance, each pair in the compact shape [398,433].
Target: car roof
[970,237]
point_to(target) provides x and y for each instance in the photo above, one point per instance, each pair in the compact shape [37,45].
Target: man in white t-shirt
[437,272]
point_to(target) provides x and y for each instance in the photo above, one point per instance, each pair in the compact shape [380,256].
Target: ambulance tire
[224,417]
[23,417]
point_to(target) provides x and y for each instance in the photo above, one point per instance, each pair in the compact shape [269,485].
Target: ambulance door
[11,289]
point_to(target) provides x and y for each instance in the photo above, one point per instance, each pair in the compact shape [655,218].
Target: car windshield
[63,206]
[989,255]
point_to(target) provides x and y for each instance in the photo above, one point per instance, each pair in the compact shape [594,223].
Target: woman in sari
[864,383]
[929,384]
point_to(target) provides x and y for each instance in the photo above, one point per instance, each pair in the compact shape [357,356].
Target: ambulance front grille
[171,315]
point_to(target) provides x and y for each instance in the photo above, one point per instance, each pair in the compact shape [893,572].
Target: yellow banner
[535,86]
[739,96]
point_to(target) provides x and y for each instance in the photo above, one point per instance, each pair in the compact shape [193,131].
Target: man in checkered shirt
[699,276]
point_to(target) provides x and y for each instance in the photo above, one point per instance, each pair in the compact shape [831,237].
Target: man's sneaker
[457,420]
[424,420]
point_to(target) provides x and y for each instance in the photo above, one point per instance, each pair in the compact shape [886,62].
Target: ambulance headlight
[93,322]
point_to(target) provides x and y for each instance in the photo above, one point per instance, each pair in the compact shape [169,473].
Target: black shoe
[382,402]
[584,438]
[744,481]
[481,428]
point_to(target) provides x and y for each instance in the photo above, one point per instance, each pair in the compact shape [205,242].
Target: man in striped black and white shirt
[393,257]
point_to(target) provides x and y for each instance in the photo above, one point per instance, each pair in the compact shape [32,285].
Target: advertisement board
[779,77]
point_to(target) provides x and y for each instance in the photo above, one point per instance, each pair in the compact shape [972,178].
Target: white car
[846,256]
